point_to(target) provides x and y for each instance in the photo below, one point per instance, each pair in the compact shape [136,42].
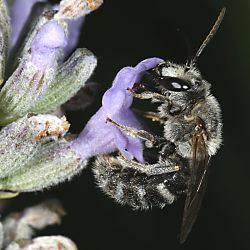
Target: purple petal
[102,137]
[122,143]
[134,146]
[95,138]
[46,45]
[51,36]
[126,78]
[74,34]
[117,99]
[19,13]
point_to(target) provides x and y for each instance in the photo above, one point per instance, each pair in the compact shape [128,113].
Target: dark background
[122,33]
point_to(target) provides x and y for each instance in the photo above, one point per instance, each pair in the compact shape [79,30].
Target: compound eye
[174,84]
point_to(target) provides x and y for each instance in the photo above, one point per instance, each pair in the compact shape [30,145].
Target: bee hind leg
[162,167]
[149,169]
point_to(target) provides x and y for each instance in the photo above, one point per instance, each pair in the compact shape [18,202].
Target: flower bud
[34,27]
[38,85]
[70,77]
[33,76]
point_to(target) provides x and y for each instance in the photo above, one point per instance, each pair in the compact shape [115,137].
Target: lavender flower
[35,152]
[45,45]
[38,71]
[41,83]
[102,137]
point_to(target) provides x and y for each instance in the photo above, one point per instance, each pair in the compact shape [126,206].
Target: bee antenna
[209,36]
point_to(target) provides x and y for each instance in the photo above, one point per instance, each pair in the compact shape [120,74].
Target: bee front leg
[153,116]
[149,139]
[154,96]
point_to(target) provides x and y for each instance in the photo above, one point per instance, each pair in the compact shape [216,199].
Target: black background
[122,33]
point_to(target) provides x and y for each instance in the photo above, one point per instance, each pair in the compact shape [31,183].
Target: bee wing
[197,185]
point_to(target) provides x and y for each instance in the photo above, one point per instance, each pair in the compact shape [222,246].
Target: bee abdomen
[129,187]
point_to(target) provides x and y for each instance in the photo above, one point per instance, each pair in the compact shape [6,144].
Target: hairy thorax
[180,128]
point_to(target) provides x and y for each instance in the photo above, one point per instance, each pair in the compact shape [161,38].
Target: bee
[176,163]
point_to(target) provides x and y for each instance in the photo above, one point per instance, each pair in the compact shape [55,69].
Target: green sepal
[20,92]
[4,37]
[54,163]
[25,137]
[70,77]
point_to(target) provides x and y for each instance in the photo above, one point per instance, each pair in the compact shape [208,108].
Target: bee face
[179,78]
[181,84]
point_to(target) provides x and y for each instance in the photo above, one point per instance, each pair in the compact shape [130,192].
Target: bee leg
[149,169]
[155,97]
[136,133]
[155,117]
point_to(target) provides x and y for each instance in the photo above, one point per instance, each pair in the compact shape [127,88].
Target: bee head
[182,85]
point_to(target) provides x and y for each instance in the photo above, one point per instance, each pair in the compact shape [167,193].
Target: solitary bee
[176,163]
